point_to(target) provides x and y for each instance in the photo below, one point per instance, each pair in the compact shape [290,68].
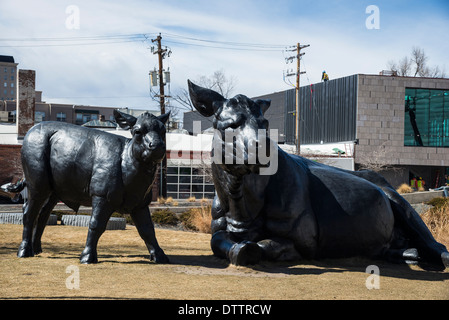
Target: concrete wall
[380,122]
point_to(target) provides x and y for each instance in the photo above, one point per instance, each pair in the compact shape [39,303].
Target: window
[185,181]
[61,116]
[426,121]
[39,116]
[83,116]
[5,84]
[12,85]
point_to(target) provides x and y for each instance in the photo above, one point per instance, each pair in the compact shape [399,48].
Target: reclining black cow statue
[83,166]
[304,209]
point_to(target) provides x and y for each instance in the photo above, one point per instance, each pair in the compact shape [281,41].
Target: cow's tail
[14,188]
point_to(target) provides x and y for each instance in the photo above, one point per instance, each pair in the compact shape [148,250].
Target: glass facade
[184,182]
[83,116]
[426,121]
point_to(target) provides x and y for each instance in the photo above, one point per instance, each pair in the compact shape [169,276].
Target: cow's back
[74,162]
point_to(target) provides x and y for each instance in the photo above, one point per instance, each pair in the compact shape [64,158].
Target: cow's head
[241,130]
[148,135]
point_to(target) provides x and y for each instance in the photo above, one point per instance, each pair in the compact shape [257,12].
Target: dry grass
[201,218]
[205,201]
[124,271]
[169,200]
[437,220]
[191,199]
[197,219]
[404,188]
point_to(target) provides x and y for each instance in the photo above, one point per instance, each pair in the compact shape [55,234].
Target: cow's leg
[408,220]
[101,212]
[145,227]
[278,249]
[31,209]
[238,253]
[42,222]
[409,256]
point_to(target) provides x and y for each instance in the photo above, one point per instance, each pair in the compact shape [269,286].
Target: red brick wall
[10,163]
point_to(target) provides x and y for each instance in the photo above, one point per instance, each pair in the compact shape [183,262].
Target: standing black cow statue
[83,166]
[303,209]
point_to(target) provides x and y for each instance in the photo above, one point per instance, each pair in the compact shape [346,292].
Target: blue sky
[116,74]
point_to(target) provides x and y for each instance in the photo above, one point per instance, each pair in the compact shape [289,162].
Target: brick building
[8,77]
[404,122]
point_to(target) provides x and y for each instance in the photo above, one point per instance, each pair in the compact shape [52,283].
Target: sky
[99,52]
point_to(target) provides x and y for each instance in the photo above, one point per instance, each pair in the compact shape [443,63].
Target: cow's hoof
[245,253]
[88,258]
[25,250]
[445,259]
[159,257]
[37,248]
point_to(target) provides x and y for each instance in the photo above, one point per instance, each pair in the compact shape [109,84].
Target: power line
[137,37]
[220,47]
[72,41]
[117,36]
[230,43]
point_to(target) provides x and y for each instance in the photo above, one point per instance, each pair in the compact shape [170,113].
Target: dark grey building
[275,115]
[393,122]
[191,116]
[327,111]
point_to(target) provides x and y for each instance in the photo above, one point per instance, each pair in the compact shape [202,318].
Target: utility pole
[161,55]
[298,49]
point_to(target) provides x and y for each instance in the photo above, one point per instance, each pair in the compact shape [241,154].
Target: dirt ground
[124,272]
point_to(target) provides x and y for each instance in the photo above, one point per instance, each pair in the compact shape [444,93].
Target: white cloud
[340,44]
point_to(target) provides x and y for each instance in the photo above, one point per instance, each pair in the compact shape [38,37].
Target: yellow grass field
[124,272]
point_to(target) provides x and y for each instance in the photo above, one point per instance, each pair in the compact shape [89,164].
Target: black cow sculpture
[83,166]
[304,209]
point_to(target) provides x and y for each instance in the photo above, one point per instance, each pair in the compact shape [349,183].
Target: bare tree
[402,68]
[174,117]
[416,65]
[419,59]
[217,81]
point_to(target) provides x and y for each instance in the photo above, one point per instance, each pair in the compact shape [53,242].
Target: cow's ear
[263,104]
[124,120]
[206,101]
[164,117]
